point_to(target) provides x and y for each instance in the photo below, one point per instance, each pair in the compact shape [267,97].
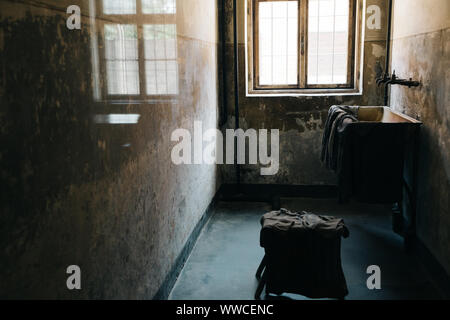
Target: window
[303,46]
[139,51]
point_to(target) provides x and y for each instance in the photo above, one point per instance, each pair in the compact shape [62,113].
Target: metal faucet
[385,78]
[391,80]
[409,83]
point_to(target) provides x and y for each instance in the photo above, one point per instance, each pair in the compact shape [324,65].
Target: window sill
[304,93]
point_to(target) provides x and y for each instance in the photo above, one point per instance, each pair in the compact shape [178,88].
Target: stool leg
[261,268]
[261,285]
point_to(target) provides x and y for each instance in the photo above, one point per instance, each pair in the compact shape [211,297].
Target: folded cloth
[303,254]
[332,146]
[284,220]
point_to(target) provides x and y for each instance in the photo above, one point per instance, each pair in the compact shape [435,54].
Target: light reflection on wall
[94,52]
[122,59]
[161,66]
[119,6]
[139,56]
[159,6]
[117,118]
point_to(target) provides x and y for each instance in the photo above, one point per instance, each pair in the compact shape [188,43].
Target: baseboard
[268,192]
[169,281]
[439,277]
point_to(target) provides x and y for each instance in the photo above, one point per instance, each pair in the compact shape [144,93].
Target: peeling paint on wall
[378,51]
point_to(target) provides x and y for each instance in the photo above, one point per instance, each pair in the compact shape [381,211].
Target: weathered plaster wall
[300,119]
[421,50]
[104,197]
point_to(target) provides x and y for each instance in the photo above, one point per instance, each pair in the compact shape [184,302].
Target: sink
[383,115]
[378,148]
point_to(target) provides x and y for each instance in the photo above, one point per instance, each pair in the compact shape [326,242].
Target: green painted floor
[225,258]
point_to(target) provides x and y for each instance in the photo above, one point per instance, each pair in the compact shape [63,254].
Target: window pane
[121,54]
[159,6]
[278,42]
[162,77]
[119,6]
[123,77]
[160,41]
[328,41]
[121,42]
[172,77]
[161,67]
[150,71]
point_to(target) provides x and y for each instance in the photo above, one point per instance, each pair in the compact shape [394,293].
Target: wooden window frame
[352,86]
[139,19]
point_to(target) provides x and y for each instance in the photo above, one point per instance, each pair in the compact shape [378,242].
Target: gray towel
[338,118]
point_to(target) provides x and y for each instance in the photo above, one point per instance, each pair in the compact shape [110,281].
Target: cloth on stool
[303,253]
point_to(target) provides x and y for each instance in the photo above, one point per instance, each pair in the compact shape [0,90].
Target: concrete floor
[225,258]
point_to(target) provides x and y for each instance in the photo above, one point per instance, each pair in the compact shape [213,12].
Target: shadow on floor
[224,260]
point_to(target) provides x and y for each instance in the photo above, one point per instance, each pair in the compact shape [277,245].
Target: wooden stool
[303,255]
